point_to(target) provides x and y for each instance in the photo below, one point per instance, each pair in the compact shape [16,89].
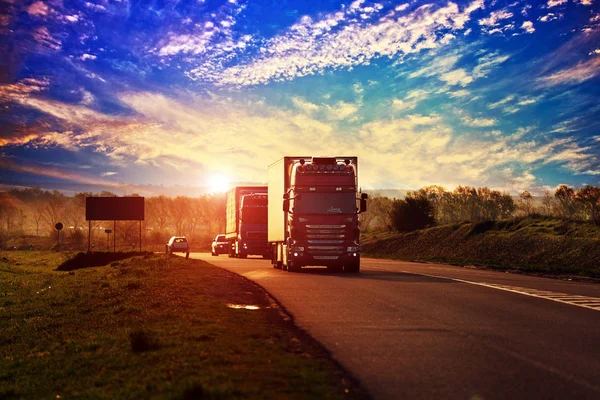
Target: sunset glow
[218,184]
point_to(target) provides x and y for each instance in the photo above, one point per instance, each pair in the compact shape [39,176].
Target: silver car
[178,244]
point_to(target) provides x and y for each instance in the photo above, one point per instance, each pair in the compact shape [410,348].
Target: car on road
[178,244]
[219,246]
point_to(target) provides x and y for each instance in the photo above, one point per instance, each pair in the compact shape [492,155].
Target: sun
[218,184]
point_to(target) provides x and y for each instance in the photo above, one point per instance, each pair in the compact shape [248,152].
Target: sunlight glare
[218,184]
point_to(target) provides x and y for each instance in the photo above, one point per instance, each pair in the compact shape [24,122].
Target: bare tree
[547,203]
[525,200]
[52,211]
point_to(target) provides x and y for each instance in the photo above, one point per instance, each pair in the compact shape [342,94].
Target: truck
[246,222]
[314,205]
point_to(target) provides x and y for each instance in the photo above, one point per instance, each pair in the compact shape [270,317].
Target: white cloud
[457,77]
[339,40]
[502,102]
[528,27]
[401,105]
[495,18]
[579,73]
[459,93]
[341,110]
[554,3]
[487,63]
[87,57]
[304,105]
[549,17]
[478,122]
[108,173]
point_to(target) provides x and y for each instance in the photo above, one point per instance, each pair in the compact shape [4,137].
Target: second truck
[246,222]
[313,213]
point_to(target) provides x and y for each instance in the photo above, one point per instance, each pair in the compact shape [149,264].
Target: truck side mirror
[364,196]
[286,196]
[363,205]
[286,205]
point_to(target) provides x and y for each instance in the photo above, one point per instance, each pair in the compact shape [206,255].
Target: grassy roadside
[152,326]
[540,245]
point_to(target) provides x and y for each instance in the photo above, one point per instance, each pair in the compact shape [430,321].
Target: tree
[566,206]
[589,198]
[411,214]
[52,211]
[547,203]
[525,199]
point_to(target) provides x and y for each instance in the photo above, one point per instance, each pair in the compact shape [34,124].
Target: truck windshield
[254,215]
[326,203]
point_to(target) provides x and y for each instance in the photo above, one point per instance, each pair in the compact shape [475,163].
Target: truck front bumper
[304,259]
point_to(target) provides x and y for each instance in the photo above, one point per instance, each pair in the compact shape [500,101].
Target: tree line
[434,205]
[34,212]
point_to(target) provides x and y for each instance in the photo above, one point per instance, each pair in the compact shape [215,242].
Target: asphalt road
[424,331]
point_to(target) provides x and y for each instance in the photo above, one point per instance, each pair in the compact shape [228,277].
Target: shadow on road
[404,277]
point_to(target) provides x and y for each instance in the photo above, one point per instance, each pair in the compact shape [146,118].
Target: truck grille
[325,239]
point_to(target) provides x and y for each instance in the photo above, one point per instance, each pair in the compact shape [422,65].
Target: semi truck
[246,222]
[313,213]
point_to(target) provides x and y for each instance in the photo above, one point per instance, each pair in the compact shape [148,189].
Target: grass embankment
[533,245]
[152,326]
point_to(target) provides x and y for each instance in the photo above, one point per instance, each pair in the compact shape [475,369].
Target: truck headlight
[352,249]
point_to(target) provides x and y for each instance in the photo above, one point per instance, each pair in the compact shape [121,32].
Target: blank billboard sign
[114,208]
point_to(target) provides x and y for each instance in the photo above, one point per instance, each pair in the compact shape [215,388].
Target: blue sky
[194,93]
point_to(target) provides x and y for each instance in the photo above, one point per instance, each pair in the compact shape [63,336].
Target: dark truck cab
[313,213]
[246,221]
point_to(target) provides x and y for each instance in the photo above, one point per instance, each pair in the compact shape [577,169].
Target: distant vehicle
[178,244]
[219,246]
[246,222]
[313,213]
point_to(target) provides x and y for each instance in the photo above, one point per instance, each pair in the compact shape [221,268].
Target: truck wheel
[166,249]
[187,255]
[293,267]
[242,255]
[353,268]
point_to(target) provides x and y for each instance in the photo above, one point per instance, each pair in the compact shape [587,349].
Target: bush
[411,214]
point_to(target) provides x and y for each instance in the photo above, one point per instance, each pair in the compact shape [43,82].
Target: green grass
[152,326]
[541,245]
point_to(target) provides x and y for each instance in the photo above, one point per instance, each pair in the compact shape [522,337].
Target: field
[151,326]
[538,245]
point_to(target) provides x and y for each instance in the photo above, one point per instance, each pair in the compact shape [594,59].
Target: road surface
[429,331]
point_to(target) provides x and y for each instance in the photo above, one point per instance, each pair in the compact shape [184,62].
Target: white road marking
[591,303]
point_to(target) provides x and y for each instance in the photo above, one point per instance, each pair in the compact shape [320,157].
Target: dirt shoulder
[152,326]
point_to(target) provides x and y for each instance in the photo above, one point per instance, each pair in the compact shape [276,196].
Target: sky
[194,93]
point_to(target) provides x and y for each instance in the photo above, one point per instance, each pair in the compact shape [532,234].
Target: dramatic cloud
[339,40]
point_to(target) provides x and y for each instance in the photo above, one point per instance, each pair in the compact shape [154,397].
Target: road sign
[58,226]
[108,231]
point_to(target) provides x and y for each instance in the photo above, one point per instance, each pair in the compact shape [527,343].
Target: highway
[430,331]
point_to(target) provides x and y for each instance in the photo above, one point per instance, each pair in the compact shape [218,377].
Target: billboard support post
[114,236]
[89,234]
